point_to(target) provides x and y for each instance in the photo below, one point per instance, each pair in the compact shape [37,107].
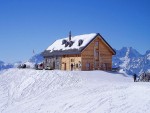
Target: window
[64,41]
[72,60]
[96,64]
[66,44]
[70,43]
[80,64]
[77,66]
[46,60]
[96,43]
[96,55]
[80,42]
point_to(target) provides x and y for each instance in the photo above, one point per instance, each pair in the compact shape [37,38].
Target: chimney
[70,36]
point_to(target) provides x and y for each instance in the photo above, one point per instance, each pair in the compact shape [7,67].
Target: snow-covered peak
[86,38]
[148,54]
[133,52]
[127,52]
[131,61]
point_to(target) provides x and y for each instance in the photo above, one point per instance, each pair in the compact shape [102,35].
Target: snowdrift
[43,91]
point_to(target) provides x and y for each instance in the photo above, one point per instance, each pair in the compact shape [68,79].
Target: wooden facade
[97,55]
[71,62]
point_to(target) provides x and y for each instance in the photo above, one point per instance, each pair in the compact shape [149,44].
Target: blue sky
[35,24]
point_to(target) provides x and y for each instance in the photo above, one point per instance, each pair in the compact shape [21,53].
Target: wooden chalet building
[82,52]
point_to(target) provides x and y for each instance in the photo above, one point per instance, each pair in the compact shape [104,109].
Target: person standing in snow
[134,77]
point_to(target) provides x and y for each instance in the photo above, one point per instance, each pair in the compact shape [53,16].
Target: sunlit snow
[44,91]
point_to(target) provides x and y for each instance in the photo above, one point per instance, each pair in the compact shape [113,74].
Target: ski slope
[43,91]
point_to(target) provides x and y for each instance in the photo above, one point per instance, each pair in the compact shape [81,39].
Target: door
[54,65]
[87,66]
[64,66]
[71,67]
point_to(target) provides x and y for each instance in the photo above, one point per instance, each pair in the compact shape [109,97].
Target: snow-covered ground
[43,91]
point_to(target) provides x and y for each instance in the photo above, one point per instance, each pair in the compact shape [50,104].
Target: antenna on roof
[70,36]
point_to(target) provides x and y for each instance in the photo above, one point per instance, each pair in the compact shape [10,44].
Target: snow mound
[43,91]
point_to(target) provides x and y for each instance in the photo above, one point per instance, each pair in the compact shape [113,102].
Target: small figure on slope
[134,77]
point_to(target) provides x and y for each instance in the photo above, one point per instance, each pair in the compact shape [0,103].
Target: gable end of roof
[114,52]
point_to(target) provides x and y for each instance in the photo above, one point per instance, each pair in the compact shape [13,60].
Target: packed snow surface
[57,45]
[44,91]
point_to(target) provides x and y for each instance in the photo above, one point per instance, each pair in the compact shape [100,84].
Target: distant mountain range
[36,58]
[5,65]
[131,61]
[33,60]
[127,59]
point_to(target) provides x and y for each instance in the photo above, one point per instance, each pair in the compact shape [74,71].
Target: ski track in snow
[42,91]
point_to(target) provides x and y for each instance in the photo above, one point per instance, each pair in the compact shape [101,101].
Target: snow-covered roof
[76,45]
[57,45]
